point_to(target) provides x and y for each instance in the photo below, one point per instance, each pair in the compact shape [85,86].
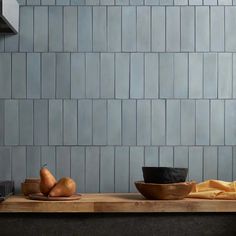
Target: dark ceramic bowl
[164,175]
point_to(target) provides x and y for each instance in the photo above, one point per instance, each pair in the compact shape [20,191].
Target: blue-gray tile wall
[98,88]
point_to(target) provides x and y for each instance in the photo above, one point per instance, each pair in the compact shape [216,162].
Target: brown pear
[65,187]
[47,181]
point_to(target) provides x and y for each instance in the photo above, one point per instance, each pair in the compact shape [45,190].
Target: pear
[65,187]
[47,181]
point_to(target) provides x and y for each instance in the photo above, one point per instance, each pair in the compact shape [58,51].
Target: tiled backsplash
[99,91]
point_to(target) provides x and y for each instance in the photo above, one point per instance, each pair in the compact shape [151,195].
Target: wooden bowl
[164,175]
[175,191]
[30,186]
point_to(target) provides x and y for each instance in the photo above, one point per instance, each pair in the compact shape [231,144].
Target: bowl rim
[186,183]
[164,168]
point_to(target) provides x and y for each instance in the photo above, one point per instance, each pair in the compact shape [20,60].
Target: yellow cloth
[214,189]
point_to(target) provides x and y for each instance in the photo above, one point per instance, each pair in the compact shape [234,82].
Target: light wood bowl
[175,191]
[30,186]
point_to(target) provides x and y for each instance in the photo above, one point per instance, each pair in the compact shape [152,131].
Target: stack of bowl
[164,183]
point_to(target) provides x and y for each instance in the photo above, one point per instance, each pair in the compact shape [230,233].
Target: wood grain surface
[96,203]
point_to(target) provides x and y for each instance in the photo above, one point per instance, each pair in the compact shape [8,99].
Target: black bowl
[164,175]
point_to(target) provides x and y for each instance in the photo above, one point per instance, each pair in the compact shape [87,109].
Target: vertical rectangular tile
[122,169]
[143,29]
[158,29]
[225,61]
[11,122]
[92,170]
[26,122]
[62,2]
[230,30]
[84,122]
[234,75]
[26,29]
[173,122]
[99,122]
[78,167]
[33,75]
[151,75]
[166,156]
[172,29]
[48,2]
[195,163]
[114,122]
[129,122]
[195,75]
[210,2]
[143,122]
[107,170]
[92,2]
[187,29]
[202,122]
[5,163]
[55,29]
[181,157]
[202,29]
[33,2]
[166,75]
[78,75]
[210,75]
[122,2]
[2,126]
[41,122]
[107,75]
[55,122]
[70,29]
[234,163]
[48,75]
[129,31]
[99,29]
[12,43]
[2,44]
[230,125]
[62,162]
[40,29]
[217,122]
[217,29]
[92,75]
[136,163]
[84,29]
[188,122]
[225,160]
[158,122]
[48,157]
[136,2]
[225,2]
[5,75]
[180,75]
[137,76]
[18,75]
[114,29]
[63,75]
[32,162]
[151,156]
[210,163]
[70,122]
[18,166]
[122,75]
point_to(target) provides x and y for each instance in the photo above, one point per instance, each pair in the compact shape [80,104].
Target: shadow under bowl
[164,175]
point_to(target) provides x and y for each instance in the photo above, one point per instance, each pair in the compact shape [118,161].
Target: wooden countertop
[115,203]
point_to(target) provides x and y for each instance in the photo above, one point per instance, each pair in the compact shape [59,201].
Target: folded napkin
[214,189]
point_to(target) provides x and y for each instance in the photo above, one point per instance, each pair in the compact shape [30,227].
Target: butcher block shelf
[115,203]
